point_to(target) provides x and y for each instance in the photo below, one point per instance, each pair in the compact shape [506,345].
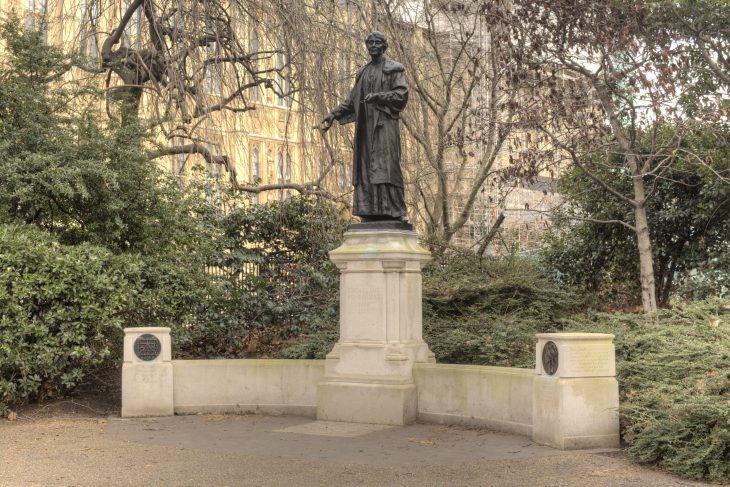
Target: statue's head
[376,43]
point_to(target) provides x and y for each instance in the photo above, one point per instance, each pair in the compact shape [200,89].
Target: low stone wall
[498,398]
[243,386]
[570,400]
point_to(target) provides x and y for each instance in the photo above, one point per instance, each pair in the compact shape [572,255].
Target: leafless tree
[196,69]
[464,104]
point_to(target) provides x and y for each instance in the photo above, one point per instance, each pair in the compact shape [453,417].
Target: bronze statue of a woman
[374,104]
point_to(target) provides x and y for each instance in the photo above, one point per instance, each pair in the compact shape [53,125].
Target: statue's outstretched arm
[345,108]
[344,112]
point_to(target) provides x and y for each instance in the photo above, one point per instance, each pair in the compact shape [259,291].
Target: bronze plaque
[550,358]
[147,347]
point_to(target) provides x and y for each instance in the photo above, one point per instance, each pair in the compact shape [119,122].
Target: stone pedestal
[147,373]
[575,393]
[369,372]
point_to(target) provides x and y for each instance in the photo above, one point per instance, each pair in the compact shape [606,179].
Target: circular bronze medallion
[550,358]
[147,347]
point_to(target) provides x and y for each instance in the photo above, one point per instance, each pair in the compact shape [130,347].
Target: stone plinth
[147,376]
[369,372]
[575,394]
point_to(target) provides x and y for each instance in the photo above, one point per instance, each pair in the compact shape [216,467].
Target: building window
[344,178]
[287,89]
[36,12]
[177,165]
[89,40]
[254,41]
[254,164]
[283,99]
[213,68]
[288,168]
[133,28]
[214,78]
[213,73]
[214,169]
[280,174]
[255,173]
[343,72]
[255,93]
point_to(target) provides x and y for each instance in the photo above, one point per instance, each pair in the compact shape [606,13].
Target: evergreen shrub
[473,312]
[673,370]
[673,366]
[61,313]
[487,312]
[273,282]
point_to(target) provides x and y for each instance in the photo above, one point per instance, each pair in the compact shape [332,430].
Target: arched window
[178,163]
[35,16]
[254,164]
[288,168]
[254,42]
[280,168]
[343,179]
[282,81]
[279,67]
[255,172]
[255,93]
[280,174]
[214,170]
[341,72]
[213,71]
[89,42]
[134,27]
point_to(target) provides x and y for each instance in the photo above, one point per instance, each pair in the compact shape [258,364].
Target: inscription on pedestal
[365,301]
[589,361]
[147,347]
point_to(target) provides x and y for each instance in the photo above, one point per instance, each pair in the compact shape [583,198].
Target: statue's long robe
[377,175]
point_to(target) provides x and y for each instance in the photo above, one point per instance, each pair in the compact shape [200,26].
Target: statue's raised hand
[373,98]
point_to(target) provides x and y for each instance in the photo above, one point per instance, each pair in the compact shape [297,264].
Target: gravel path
[213,450]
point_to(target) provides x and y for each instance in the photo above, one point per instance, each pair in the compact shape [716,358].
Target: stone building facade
[276,142]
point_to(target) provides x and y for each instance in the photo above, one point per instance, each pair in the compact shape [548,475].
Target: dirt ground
[83,442]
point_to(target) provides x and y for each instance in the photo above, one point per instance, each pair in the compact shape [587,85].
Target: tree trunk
[643,239]
[668,282]
[646,261]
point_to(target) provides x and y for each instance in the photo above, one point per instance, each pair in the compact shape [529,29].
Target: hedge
[61,313]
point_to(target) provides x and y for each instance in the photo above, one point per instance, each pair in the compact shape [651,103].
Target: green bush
[274,281]
[488,312]
[673,369]
[324,333]
[86,179]
[673,366]
[473,313]
[61,313]
[688,216]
